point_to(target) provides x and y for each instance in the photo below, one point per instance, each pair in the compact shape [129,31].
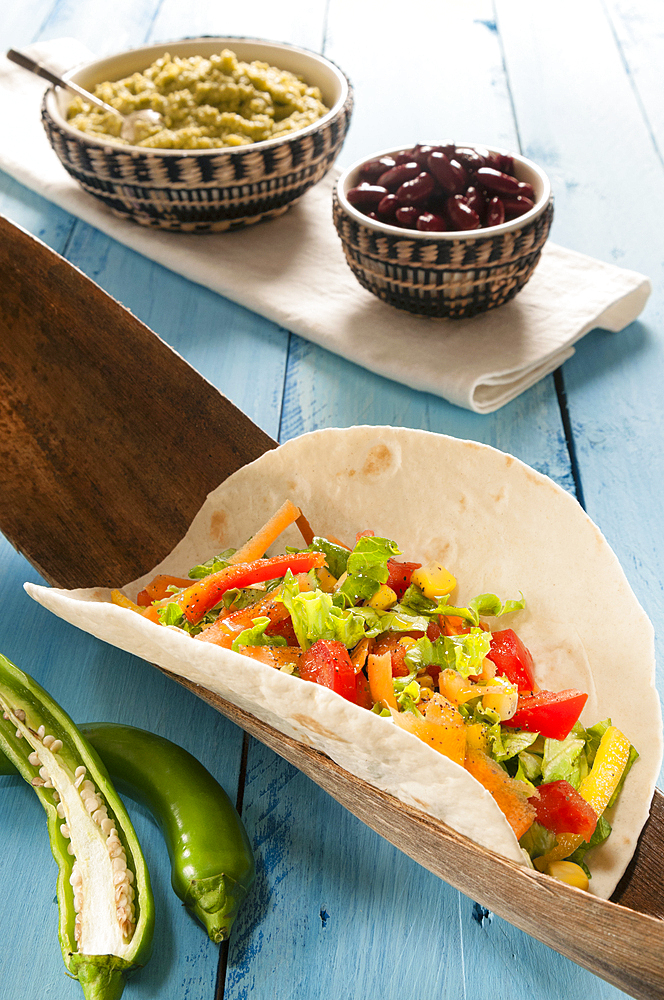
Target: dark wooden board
[109,440]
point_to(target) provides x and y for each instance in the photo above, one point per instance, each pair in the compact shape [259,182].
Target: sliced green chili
[212,865]
[106,910]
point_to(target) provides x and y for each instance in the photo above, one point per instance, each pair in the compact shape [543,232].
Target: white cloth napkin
[293,271]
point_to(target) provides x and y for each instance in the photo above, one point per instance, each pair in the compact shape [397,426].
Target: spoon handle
[27,63]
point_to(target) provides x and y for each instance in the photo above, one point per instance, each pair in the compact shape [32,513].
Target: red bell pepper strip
[400,574]
[197,600]
[550,713]
[512,659]
[327,662]
[560,808]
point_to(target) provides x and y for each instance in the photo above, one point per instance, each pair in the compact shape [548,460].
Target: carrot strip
[259,543]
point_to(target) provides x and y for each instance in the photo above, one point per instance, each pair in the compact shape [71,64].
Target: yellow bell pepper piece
[434,580]
[383,599]
[117,597]
[476,737]
[596,788]
[326,581]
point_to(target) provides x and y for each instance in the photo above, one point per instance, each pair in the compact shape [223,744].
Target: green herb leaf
[488,605]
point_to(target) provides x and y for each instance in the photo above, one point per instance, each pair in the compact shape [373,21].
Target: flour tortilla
[500,527]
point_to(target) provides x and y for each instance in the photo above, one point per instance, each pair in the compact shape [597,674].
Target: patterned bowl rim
[52,96]
[527,170]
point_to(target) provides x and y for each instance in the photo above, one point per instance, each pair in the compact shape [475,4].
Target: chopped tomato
[284,628]
[327,662]
[512,659]
[509,794]
[400,574]
[560,808]
[368,533]
[362,691]
[550,713]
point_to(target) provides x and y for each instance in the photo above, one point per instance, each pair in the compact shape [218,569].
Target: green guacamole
[204,103]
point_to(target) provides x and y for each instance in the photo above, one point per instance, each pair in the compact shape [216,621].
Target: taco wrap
[501,528]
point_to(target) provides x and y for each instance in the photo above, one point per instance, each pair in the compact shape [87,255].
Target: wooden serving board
[85,391]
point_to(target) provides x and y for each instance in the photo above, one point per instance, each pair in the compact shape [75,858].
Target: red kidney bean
[416,191]
[475,200]
[461,215]
[495,213]
[366,195]
[372,169]
[387,207]
[407,216]
[514,207]
[395,177]
[449,173]
[428,222]
[496,181]
[469,158]
[527,190]
[500,161]
[404,157]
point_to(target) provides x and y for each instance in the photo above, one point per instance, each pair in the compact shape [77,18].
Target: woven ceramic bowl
[453,274]
[211,189]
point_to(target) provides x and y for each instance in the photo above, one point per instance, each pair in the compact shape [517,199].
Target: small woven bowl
[452,274]
[210,189]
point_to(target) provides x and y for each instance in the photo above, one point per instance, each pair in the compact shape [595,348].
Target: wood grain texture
[100,420]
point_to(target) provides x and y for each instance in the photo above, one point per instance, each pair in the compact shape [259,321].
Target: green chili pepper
[105,901]
[212,864]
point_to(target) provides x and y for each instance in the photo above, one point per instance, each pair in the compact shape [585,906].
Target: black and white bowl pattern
[204,190]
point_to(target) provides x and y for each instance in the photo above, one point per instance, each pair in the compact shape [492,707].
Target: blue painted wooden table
[336,911]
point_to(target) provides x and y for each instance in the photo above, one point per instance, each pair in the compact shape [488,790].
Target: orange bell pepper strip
[158,589]
[200,598]
[511,799]
[379,671]
[442,727]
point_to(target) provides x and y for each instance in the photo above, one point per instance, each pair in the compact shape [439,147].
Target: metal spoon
[129,122]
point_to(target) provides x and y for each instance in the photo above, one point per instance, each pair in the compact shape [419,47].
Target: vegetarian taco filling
[386,635]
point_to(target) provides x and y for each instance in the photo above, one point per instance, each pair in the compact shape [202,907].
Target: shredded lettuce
[335,555]
[464,653]
[212,565]
[414,602]
[508,744]
[537,840]
[485,604]
[564,760]
[602,831]
[395,620]
[315,616]
[366,569]
[255,636]
[409,698]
